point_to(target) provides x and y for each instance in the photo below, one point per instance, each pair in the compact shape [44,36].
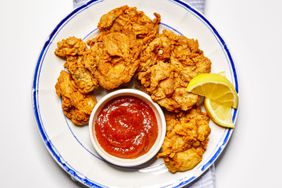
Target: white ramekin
[160,121]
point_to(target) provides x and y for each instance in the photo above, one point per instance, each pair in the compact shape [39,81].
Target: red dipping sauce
[126,127]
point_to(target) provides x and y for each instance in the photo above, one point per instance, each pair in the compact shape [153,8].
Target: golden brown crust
[186,139]
[123,33]
[115,63]
[84,80]
[130,21]
[76,54]
[167,65]
[108,60]
[76,106]
[71,46]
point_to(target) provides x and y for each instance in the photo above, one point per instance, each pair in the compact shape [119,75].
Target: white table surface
[253,31]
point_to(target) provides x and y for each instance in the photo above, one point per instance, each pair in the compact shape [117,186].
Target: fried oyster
[123,33]
[131,22]
[167,65]
[113,63]
[76,106]
[76,54]
[186,139]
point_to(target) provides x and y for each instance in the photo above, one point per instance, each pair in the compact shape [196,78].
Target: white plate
[70,146]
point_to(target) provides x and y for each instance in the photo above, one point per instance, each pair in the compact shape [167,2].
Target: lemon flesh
[220,114]
[215,87]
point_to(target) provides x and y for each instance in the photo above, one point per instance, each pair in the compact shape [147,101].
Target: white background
[253,31]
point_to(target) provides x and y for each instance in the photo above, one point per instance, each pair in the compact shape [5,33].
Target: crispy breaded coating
[76,54]
[84,80]
[131,22]
[186,139]
[107,20]
[109,60]
[71,46]
[76,106]
[167,65]
[123,33]
[113,64]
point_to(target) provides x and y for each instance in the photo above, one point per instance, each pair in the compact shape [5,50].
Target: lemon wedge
[220,95]
[215,87]
[220,114]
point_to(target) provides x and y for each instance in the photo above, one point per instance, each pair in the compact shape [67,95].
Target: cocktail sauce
[126,127]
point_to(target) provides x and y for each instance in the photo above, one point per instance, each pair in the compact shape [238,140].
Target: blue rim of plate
[55,154]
